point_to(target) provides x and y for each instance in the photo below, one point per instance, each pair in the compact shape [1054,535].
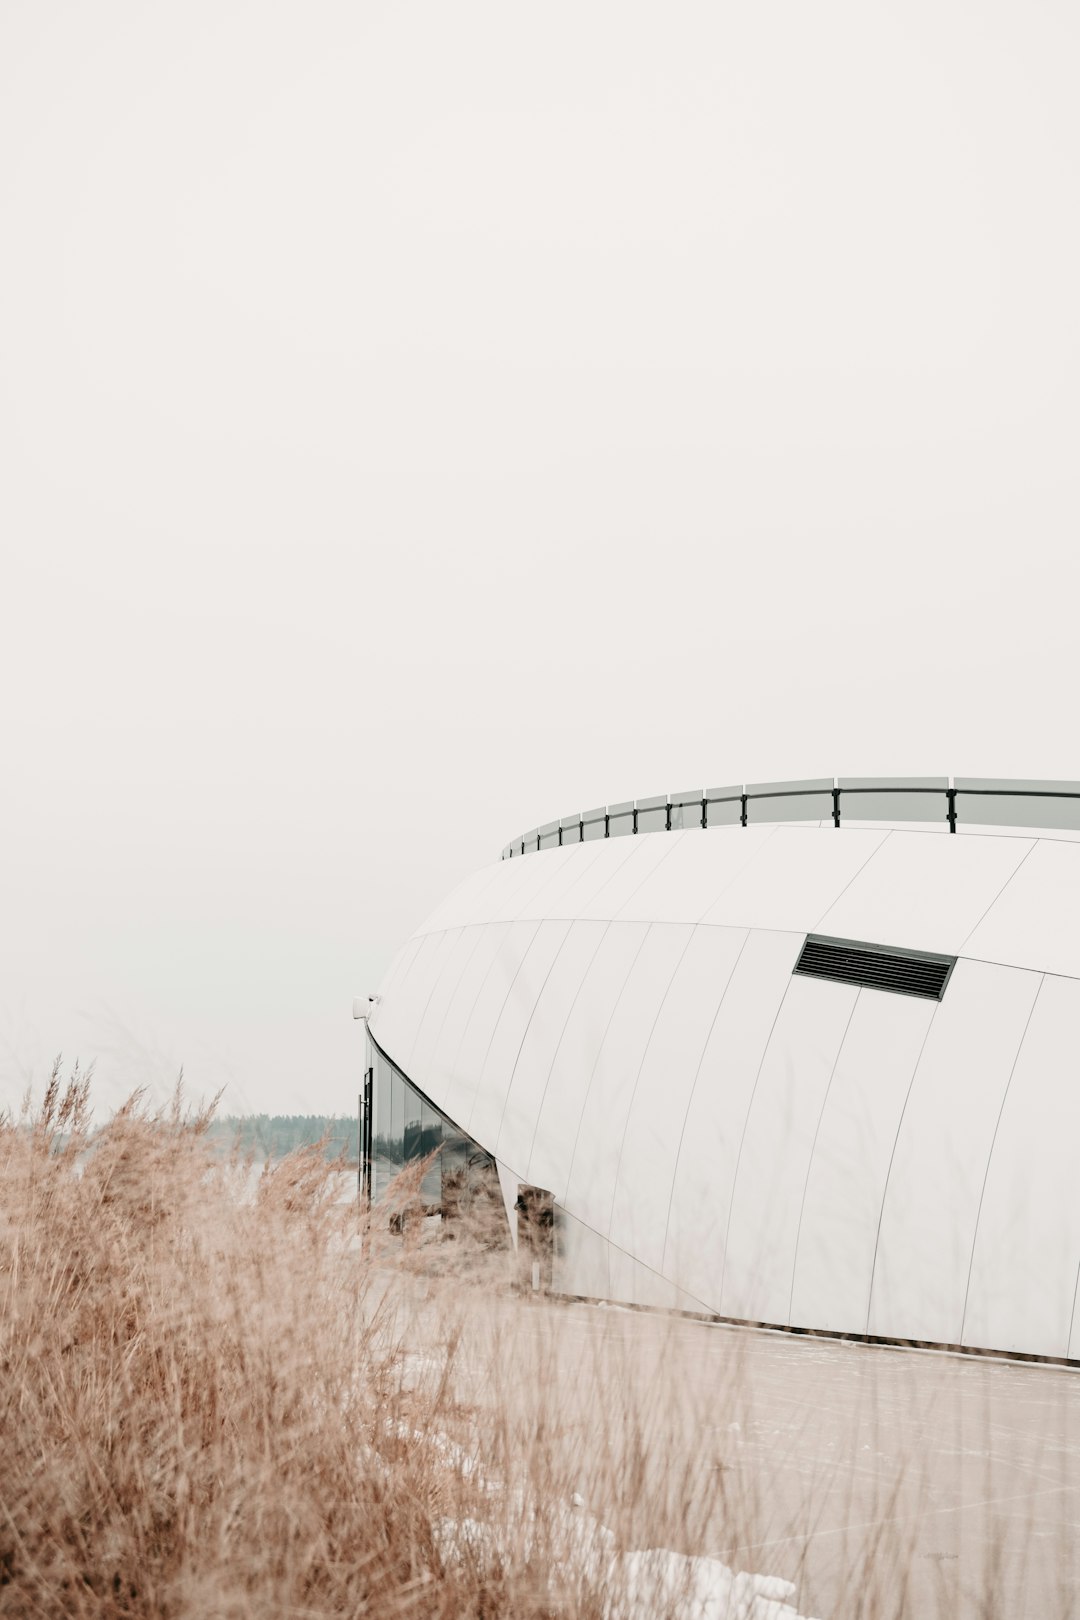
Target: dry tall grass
[203,1409]
[222,1396]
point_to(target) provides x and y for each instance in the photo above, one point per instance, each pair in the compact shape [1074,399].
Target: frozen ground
[875,1481]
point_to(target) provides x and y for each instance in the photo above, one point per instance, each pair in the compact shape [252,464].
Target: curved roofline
[979,801]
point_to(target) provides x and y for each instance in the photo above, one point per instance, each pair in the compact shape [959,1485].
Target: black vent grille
[874,967]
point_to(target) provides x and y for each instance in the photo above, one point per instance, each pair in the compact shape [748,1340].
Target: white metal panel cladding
[467,943]
[547,867]
[438,1079]
[845,1184]
[595,1162]
[925,893]
[716,1114]
[774,1155]
[471,897]
[635,1283]
[503,970]
[410,1008]
[529,1079]
[796,876]
[598,1017]
[1034,921]
[943,1147]
[646,855]
[556,897]
[1027,1247]
[694,876]
[579,1046]
[605,861]
[662,1090]
[511,1026]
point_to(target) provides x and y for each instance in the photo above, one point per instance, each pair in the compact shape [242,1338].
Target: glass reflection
[460,1178]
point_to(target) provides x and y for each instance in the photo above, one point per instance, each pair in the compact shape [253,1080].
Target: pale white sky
[419,421]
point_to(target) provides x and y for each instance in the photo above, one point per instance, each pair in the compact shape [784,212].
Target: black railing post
[836,806]
[950,794]
[742,817]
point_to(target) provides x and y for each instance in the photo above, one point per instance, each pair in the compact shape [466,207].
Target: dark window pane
[412,1149]
[397,1114]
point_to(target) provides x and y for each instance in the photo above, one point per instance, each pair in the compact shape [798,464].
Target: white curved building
[818,1073]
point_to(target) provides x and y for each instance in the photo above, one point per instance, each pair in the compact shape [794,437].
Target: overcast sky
[418,421]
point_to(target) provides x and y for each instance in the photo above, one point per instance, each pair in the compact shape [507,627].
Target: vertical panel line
[693,1089]
[498,1019]
[836,899]
[479,928]
[641,1065]
[892,1158]
[742,1137]
[525,1032]
[434,985]
[990,1155]
[604,927]
[972,931]
[813,1148]
[600,1050]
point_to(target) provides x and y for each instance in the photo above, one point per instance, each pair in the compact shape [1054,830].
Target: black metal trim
[838,792]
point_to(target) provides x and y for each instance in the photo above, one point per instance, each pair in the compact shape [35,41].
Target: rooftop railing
[948,801]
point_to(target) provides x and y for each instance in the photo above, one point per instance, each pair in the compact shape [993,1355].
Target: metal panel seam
[496,1022]
[993,1144]
[1072,1317]
[599,1051]
[484,887]
[693,1089]
[575,879]
[506,927]
[742,1137]
[525,1031]
[402,971]
[751,858]
[813,1147]
[558,1045]
[997,897]
[641,1065]
[630,848]
[464,969]
[668,851]
[835,901]
[442,933]
[892,1157]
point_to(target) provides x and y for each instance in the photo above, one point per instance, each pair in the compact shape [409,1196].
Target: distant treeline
[274,1135]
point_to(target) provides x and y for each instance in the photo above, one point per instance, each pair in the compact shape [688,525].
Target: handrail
[976,801]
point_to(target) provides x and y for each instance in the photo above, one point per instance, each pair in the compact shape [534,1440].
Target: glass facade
[460,1179]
